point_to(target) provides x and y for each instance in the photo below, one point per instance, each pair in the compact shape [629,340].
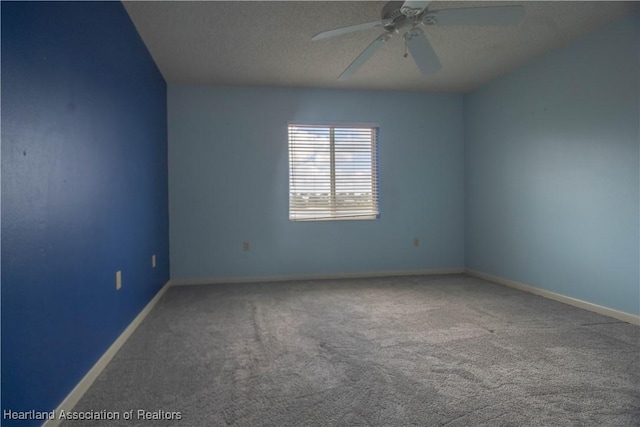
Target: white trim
[363,275]
[620,315]
[81,388]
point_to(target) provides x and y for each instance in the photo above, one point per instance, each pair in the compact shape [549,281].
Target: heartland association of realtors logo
[133,414]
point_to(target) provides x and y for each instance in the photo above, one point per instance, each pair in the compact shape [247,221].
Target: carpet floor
[421,350]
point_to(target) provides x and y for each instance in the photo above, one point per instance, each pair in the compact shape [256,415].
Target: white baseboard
[616,314]
[81,388]
[286,278]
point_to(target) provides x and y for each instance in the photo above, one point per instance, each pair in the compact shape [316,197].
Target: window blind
[333,172]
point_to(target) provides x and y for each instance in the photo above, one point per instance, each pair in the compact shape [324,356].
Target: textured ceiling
[269,43]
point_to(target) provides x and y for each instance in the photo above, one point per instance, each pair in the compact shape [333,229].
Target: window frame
[332,213]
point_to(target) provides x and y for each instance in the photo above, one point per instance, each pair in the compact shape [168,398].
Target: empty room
[320,213]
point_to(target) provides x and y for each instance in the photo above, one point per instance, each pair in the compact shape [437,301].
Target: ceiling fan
[409,17]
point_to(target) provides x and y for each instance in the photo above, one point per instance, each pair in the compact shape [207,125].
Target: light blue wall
[228,182]
[551,164]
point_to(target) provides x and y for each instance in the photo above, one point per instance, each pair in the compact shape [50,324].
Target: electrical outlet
[416,242]
[245,246]
[153,261]
[118,279]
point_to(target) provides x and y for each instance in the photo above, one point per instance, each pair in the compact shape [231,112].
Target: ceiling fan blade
[422,52]
[364,56]
[349,29]
[413,8]
[492,15]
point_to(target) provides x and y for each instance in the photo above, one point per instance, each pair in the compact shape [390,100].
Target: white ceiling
[268,43]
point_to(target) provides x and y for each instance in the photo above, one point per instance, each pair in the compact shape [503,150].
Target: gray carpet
[427,350]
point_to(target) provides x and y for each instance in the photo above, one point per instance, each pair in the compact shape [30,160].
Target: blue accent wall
[229,182]
[84,192]
[552,171]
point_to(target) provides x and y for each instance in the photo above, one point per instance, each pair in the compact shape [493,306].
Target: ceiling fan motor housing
[391,12]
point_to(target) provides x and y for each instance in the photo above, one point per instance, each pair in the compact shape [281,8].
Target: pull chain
[405,45]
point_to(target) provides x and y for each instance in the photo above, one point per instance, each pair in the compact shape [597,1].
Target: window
[333,172]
